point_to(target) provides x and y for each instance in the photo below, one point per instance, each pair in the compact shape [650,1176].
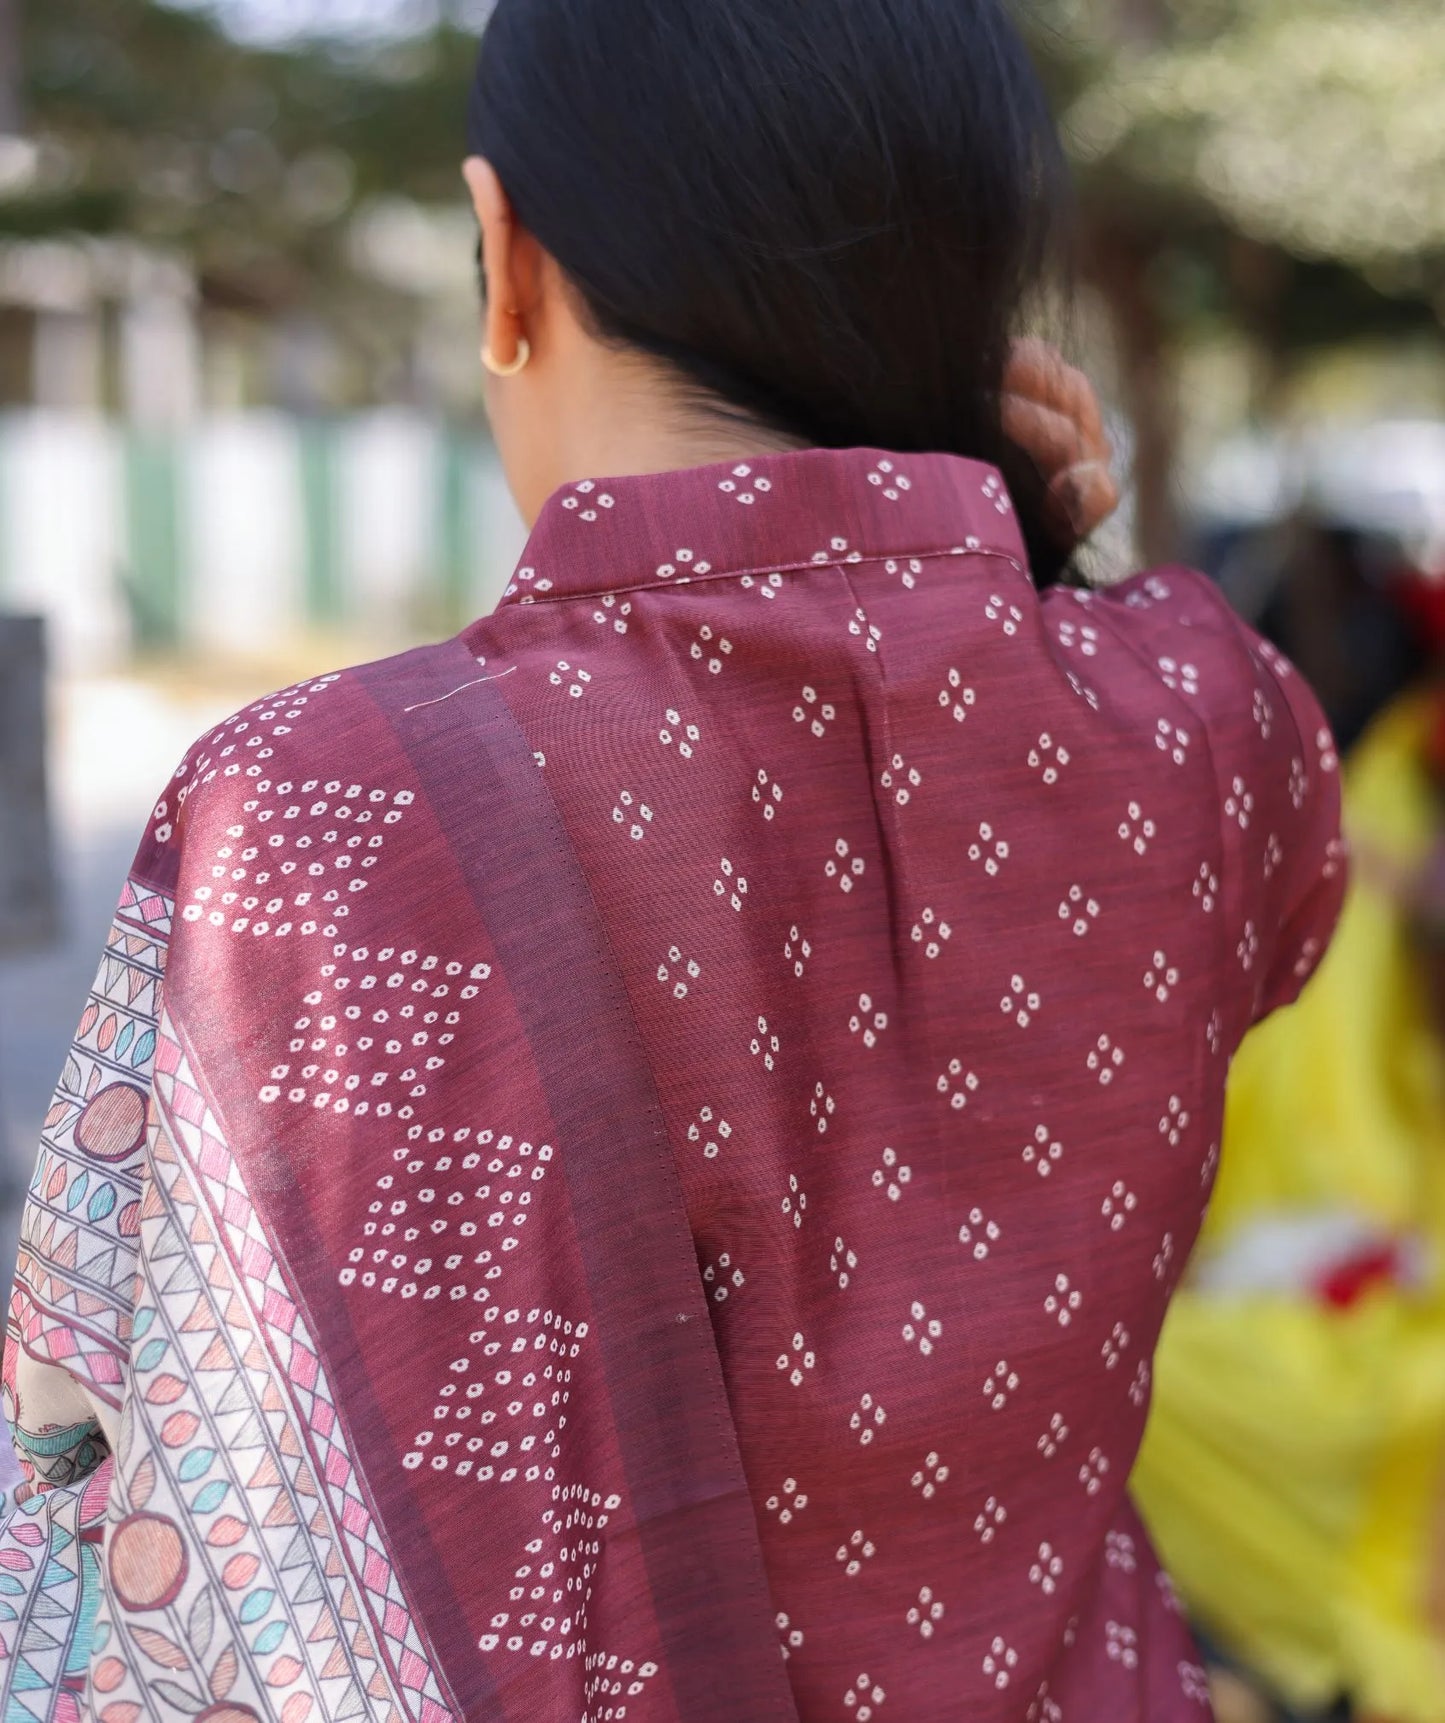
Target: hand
[1051,411]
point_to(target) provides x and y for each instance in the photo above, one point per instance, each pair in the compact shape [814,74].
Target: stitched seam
[532,600]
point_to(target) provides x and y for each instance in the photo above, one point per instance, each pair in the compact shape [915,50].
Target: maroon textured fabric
[788,919]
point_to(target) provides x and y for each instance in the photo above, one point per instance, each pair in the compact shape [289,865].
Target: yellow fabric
[1292,1469]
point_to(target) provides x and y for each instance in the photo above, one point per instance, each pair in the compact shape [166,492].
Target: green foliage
[1313,125]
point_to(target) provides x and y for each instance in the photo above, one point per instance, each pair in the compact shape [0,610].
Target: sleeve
[1275,767]
[1292,852]
[68,1338]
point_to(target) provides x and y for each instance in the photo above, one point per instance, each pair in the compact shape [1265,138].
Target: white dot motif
[675,733]
[1009,615]
[797,951]
[788,1502]
[892,1176]
[730,885]
[1175,1123]
[1105,1059]
[1161,978]
[1064,1301]
[1119,1552]
[1044,1153]
[867,1022]
[795,1204]
[992,851]
[767,795]
[1079,637]
[723,1278]
[1000,1383]
[685,565]
[1137,831]
[765,1045]
[1118,1205]
[842,1262]
[709,1130]
[744,486]
[822,1107]
[999,1663]
[586,502]
[1093,1472]
[921,1329]
[957,699]
[677,971]
[902,779]
[886,477]
[797,1362]
[711,648]
[1181,678]
[863,1699]
[860,627]
[979,1234]
[1080,910]
[843,866]
[574,679]
[1047,1570]
[633,815]
[1239,804]
[930,1477]
[868,1418]
[996,492]
[926,1614]
[855,1552]
[957,1084]
[1115,1346]
[1171,740]
[931,933]
[613,614]
[990,1520]
[816,714]
[1121,1644]
[1019,1003]
[1049,758]
[1054,1437]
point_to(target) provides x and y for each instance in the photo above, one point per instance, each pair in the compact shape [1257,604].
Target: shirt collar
[767,516]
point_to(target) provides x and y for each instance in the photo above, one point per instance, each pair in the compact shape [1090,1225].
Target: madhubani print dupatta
[201,1542]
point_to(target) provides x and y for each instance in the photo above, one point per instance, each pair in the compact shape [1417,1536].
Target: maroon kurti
[648,1146]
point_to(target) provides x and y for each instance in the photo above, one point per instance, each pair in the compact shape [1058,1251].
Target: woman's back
[941,910]
[775,910]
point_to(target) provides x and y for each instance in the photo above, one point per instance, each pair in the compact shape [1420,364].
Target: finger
[1078,398]
[1088,495]
[1032,370]
[1050,438]
[1038,372]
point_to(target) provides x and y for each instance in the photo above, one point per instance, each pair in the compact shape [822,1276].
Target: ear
[506,259]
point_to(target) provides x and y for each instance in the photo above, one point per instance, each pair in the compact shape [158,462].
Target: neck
[631,417]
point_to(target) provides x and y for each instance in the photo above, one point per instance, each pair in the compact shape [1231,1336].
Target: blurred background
[241,442]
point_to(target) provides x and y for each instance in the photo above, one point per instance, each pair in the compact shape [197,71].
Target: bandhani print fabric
[630,1165]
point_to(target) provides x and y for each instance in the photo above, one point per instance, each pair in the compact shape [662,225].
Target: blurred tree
[1273,166]
[9,69]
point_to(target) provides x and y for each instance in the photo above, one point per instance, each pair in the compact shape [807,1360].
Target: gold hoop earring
[518,365]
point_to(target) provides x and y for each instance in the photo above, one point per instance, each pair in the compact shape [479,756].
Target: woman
[630,1165]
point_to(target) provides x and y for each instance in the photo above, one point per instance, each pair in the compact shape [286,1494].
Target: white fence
[245,531]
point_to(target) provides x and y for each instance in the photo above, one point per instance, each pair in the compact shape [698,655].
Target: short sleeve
[1276,770]
[1311,862]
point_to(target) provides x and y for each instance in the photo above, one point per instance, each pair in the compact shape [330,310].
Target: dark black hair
[831,215]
